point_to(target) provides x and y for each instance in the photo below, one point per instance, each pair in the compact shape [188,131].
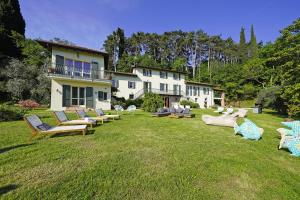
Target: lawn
[142,157]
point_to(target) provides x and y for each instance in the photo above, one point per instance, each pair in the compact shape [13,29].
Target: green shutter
[66,96]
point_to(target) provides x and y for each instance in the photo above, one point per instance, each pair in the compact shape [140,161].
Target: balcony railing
[158,91]
[79,73]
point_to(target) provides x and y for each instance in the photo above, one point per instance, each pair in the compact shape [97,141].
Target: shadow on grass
[89,132]
[8,188]
[277,114]
[5,149]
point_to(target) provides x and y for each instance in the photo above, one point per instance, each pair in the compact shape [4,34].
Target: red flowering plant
[29,104]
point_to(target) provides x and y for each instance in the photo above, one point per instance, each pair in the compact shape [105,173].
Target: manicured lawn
[142,157]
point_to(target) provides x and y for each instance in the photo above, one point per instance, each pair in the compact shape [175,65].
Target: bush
[10,113]
[152,102]
[137,102]
[270,98]
[189,103]
[30,104]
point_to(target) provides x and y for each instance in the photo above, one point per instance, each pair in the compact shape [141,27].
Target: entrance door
[89,97]
[166,102]
[147,86]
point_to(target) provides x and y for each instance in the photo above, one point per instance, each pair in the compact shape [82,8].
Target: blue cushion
[248,130]
[294,125]
[294,146]
[44,127]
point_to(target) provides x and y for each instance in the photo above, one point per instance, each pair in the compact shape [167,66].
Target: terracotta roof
[68,46]
[159,69]
[121,73]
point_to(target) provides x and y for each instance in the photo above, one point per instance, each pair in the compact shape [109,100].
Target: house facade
[170,84]
[77,77]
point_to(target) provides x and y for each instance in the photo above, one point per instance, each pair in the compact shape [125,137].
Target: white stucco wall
[201,98]
[123,90]
[56,92]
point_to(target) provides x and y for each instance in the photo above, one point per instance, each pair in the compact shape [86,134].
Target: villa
[79,79]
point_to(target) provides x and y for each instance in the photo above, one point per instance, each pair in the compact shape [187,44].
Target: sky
[88,22]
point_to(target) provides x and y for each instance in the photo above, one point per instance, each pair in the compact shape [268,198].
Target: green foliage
[270,98]
[11,113]
[11,20]
[137,102]
[151,102]
[253,47]
[242,46]
[189,103]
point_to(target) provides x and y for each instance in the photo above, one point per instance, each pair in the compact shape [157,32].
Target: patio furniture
[223,120]
[118,108]
[100,113]
[161,112]
[187,113]
[62,119]
[219,110]
[38,127]
[83,115]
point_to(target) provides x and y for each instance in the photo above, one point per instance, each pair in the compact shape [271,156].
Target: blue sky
[88,22]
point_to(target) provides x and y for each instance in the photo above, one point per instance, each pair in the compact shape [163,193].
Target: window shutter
[100,95]
[134,85]
[66,96]
[128,84]
[104,95]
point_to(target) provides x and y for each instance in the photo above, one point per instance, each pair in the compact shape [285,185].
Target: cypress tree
[11,19]
[253,44]
[242,46]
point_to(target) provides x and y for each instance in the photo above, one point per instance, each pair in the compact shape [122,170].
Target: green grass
[142,157]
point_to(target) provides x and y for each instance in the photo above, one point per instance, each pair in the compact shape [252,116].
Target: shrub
[189,103]
[137,102]
[30,104]
[152,102]
[10,113]
[270,98]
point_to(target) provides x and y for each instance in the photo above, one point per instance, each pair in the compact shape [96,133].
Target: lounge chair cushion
[186,111]
[99,112]
[179,110]
[34,121]
[248,130]
[172,110]
[66,128]
[44,127]
[82,113]
[61,116]
[219,110]
[295,126]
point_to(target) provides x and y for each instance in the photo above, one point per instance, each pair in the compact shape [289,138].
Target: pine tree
[253,48]
[10,20]
[242,46]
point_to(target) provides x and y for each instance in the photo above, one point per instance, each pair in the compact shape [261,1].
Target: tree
[242,46]
[11,20]
[253,47]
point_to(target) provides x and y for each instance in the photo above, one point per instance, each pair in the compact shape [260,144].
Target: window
[78,96]
[206,91]
[86,69]
[163,75]
[177,89]
[176,76]
[187,91]
[102,96]
[77,68]
[147,72]
[164,87]
[195,91]
[131,84]
[131,96]
[198,89]
[115,83]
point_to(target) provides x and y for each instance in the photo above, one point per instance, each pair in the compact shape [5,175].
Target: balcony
[83,73]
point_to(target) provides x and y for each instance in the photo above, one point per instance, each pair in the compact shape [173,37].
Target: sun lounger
[83,115]
[100,113]
[62,119]
[38,127]
[228,111]
[161,112]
